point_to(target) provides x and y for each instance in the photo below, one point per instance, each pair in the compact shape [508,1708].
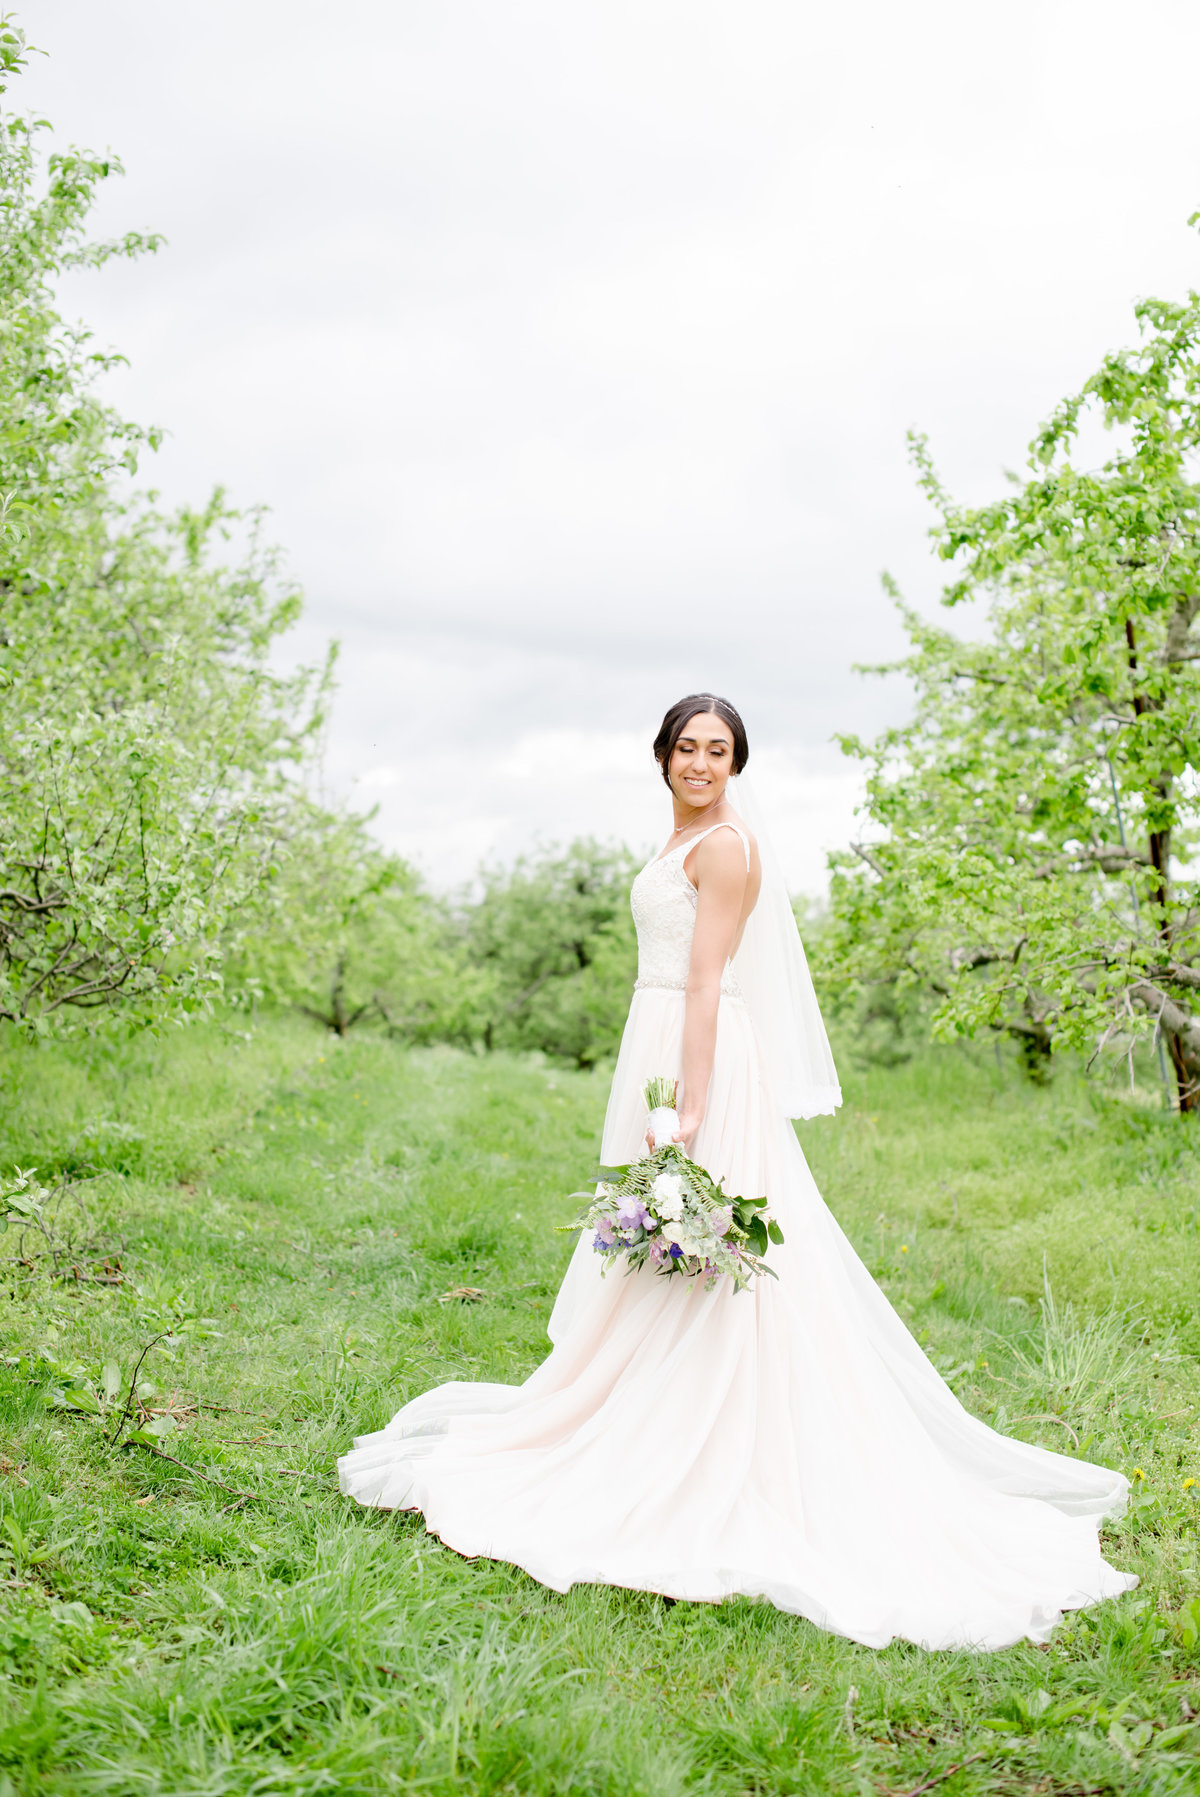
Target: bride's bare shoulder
[730,847]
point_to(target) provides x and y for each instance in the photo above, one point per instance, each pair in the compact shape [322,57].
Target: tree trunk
[337,998]
[1185,1059]
[1034,1052]
[1187,1072]
[1182,1033]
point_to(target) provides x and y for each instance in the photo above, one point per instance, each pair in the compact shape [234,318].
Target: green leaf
[73,1397]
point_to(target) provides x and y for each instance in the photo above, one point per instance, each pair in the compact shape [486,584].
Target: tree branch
[1108,860]
[864,854]
[9,896]
[1182,976]
[963,959]
[1170,1015]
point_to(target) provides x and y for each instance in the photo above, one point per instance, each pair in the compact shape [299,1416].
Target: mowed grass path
[289,1210]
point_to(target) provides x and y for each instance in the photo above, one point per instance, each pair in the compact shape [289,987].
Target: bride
[791,1441]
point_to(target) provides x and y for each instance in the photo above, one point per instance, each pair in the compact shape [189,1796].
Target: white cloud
[574,346]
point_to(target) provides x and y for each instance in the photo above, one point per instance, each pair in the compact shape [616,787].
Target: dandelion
[904,1247]
[1188,1483]
[1138,1473]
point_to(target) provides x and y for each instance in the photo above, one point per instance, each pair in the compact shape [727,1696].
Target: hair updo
[672,728]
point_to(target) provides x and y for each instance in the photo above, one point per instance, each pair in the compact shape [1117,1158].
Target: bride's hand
[689,1123]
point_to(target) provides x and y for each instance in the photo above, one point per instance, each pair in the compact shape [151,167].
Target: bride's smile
[701,763]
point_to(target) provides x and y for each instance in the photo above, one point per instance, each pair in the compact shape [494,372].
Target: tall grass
[285,1213]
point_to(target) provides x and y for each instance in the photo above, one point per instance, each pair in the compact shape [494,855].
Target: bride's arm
[720,876]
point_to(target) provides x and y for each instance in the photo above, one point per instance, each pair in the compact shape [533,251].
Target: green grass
[288,1210]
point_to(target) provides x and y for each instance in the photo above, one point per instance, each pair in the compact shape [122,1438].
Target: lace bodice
[664,910]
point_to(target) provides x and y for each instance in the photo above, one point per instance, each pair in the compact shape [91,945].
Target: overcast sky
[573,343]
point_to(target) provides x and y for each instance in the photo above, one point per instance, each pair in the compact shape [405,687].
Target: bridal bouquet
[667,1212]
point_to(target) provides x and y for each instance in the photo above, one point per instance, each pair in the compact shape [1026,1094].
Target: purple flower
[675,1251]
[606,1234]
[632,1213]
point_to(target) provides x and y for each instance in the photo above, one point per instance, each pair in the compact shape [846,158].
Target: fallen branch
[228,1409]
[242,1496]
[1047,1417]
[938,1777]
[256,1441]
[127,1412]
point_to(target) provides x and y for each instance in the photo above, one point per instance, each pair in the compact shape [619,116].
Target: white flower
[668,1196]
[684,1236]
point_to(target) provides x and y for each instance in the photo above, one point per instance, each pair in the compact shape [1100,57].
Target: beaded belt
[665,985]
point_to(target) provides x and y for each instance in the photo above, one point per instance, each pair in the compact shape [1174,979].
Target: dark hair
[672,728]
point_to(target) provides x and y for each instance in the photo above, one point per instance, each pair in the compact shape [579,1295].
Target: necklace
[692,821]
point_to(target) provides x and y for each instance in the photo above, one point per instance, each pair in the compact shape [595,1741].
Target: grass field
[279,1214]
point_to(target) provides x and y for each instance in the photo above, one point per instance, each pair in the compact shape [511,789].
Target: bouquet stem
[660,1095]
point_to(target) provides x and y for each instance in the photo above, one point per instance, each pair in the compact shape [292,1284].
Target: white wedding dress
[790,1442]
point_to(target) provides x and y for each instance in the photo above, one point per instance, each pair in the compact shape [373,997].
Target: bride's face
[701,761]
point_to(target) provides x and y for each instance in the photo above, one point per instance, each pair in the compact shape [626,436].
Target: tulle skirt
[790,1441]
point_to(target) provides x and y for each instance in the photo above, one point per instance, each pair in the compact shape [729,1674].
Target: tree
[555,935]
[1031,829]
[369,944]
[149,748]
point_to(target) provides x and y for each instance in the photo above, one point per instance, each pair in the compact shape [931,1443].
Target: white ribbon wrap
[663,1125]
